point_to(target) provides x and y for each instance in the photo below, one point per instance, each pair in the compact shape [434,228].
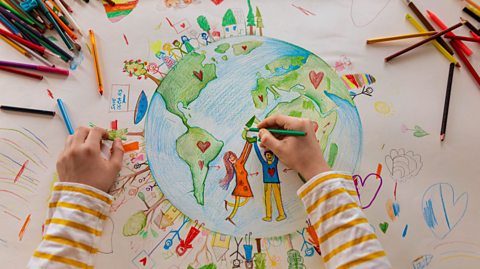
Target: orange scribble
[24,227]
[131,146]
[379,171]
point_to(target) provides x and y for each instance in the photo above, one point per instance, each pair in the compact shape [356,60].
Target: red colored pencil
[23,41]
[465,38]
[465,61]
[426,40]
[20,72]
[443,26]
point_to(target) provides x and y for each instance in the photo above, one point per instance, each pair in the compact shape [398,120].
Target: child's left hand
[81,161]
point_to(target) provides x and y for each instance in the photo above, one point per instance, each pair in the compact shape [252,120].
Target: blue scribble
[396,209]
[422,261]
[405,231]
[77,60]
[429,215]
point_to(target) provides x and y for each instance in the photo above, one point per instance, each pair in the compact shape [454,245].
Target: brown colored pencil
[428,25]
[398,37]
[426,40]
[21,72]
[466,38]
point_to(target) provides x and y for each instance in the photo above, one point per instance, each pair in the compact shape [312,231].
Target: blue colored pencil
[66,119]
[55,24]
[7,24]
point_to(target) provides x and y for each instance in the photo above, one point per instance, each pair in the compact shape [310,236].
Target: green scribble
[135,224]
[222,48]
[332,155]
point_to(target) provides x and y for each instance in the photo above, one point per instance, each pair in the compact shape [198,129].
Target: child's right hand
[301,153]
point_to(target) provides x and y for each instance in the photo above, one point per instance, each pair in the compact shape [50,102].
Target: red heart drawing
[201,163]
[216,33]
[271,171]
[182,25]
[261,98]
[244,47]
[315,78]
[368,189]
[217,2]
[203,146]
[199,75]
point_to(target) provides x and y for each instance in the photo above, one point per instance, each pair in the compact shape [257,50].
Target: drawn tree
[250,18]
[259,21]
[203,23]
[138,69]
[229,18]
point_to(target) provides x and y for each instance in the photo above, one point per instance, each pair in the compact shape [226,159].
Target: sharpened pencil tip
[442,137]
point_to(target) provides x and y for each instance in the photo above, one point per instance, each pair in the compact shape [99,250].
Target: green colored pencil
[7,6]
[280,131]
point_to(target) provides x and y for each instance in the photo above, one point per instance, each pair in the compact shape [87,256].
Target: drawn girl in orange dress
[236,167]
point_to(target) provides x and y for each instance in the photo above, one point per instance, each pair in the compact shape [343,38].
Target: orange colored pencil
[96,62]
[471,2]
[61,23]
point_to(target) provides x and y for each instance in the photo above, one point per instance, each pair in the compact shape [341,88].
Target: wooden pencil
[471,13]
[15,46]
[465,61]
[21,72]
[426,40]
[398,37]
[447,102]
[471,26]
[466,38]
[471,2]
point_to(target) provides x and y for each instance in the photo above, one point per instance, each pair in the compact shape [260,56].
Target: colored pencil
[471,2]
[428,25]
[28,110]
[35,55]
[40,68]
[465,61]
[474,9]
[443,26]
[22,41]
[8,7]
[69,17]
[8,25]
[70,10]
[96,62]
[66,119]
[466,38]
[471,27]
[21,72]
[398,37]
[447,102]
[426,40]
[471,13]
[435,42]
[280,131]
[15,46]
[62,25]
[55,24]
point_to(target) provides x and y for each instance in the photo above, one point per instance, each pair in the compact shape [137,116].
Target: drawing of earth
[199,111]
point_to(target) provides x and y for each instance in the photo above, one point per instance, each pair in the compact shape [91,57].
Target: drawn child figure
[177,45]
[235,167]
[167,47]
[271,183]
[204,36]
[186,42]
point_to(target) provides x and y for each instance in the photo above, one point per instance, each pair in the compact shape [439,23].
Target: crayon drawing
[209,167]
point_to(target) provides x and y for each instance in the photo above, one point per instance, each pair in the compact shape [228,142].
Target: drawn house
[241,23]
[229,24]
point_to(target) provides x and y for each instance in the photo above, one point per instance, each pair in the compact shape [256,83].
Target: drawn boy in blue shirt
[271,184]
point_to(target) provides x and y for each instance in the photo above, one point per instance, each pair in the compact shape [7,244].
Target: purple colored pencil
[41,68]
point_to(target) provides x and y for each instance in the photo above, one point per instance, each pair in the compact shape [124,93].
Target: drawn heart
[203,146]
[442,210]
[271,171]
[419,132]
[182,25]
[201,163]
[370,190]
[316,78]
[244,47]
[383,226]
[217,2]
[261,98]
[199,75]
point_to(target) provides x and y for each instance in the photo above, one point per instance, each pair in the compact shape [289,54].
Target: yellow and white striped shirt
[346,238]
[73,227]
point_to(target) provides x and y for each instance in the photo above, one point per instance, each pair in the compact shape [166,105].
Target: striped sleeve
[75,218]
[346,238]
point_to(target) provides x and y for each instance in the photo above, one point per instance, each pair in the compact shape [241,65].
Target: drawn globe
[197,117]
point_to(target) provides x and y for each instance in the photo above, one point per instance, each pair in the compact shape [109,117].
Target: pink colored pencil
[41,68]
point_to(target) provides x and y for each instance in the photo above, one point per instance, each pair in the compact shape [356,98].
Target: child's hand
[301,153]
[81,162]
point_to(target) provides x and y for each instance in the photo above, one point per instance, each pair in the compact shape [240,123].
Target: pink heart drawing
[362,187]
[316,78]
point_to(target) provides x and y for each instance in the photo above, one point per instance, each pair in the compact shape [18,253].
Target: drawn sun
[384,108]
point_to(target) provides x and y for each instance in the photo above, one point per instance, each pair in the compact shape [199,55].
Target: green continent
[246,47]
[313,79]
[222,48]
[185,82]
[285,63]
[198,148]
[304,107]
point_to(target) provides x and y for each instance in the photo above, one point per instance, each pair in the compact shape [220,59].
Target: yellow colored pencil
[15,46]
[95,60]
[471,2]
[398,37]
[474,10]
[437,45]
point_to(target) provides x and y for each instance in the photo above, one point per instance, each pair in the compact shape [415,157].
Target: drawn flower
[403,165]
